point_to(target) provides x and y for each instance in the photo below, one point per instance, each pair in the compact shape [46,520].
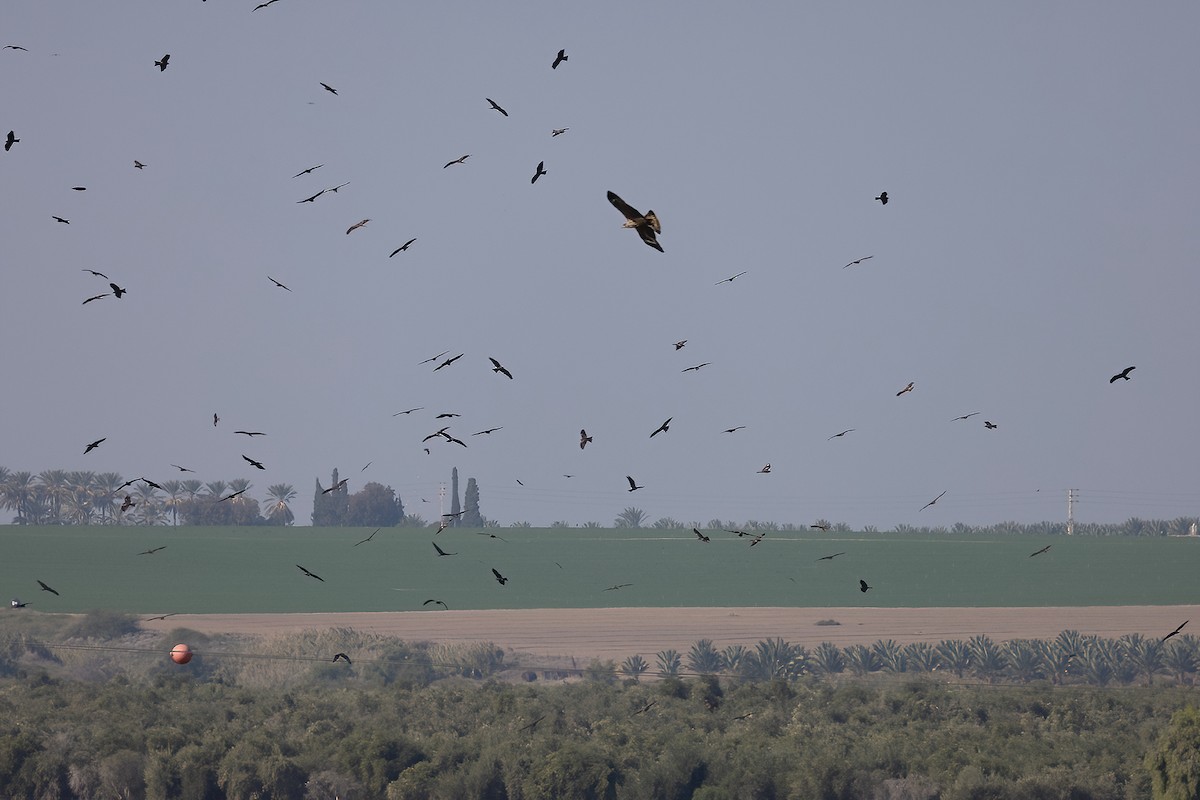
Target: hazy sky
[1041,235]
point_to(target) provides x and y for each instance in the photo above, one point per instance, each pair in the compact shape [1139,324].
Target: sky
[1039,159]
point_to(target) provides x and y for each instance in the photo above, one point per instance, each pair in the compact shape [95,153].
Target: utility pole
[1070,511]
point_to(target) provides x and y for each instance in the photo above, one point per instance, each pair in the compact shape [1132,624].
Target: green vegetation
[231,570]
[89,716]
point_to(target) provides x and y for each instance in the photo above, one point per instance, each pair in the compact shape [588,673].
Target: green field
[231,570]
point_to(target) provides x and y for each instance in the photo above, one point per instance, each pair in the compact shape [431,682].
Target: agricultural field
[240,570]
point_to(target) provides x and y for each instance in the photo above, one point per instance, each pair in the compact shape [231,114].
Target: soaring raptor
[647,224]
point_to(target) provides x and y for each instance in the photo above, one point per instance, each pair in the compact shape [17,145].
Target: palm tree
[56,489]
[591,525]
[104,494]
[278,510]
[1058,659]
[1179,658]
[666,523]
[703,658]
[150,510]
[922,657]
[955,654]
[861,660]
[775,658]
[630,518]
[174,490]
[1144,655]
[216,489]
[634,666]
[191,488]
[827,659]
[20,494]
[668,663]
[1025,659]
[733,658]
[891,655]
[987,659]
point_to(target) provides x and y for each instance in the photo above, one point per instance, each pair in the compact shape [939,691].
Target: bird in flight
[162,65]
[447,415]
[161,616]
[138,165]
[1122,374]
[96,297]
[127,504]
[859,261]
[496,106]
[93,446]
[339,656]
[79,188]
[263,5]
[666,426]
[439,602]
[356,226]
[277,283]
[734,429]
[458,160]
[310,574]
[97,274]
[10,141]
[558,131]
[679,345]
[334,189]
[633,487]
[583,438]
[647,224]
[531,725]
[539,172]
[310,169]
[440,551]
[312,197]
[931,502]
[252,462]
[63,220]
[369,538]
[558,59]
[965,416]
[862,586]
[757,539]
[251,433]
[117,290]
[739,533]
[731,278]
[700,536]
[1177,630]
[765,470]
[499,578]
[489,430]
[182,469]
[216,419]
[645,708]
[46,588]
[882,198]
[1039,552]
[336,486]
[990,425]
[821,527]
[843,433]
[831,557]
[696,368]
[235,494]
[403,247]
[618,586]
[906,389]
[14,47]
[491,536]
[434,358]
[409,411]
[498,367]
[448,361]
[328,88]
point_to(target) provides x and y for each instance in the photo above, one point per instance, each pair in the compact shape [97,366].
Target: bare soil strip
[615,633]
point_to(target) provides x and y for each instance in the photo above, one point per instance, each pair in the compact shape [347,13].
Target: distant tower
[1070,512]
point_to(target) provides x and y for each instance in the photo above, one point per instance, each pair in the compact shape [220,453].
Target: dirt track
[615,633]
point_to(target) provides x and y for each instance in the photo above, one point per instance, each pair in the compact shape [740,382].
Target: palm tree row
[1071,658]
[59,497]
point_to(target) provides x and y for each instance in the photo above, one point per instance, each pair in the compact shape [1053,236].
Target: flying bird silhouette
[127,504]
[583,438]
[990,425]
[931,502]
[117,291]
[496,106]
[859,261]
[46,588]
[498,367]
[263,5]
[277,283]
[823,527]
[906,389]
[310,169]
[1039,552]
[439,602]
[1122,374]
[341,656]
[731,278]
[633,487]
[312,197]
[63,220]
[216,419]
[843,433]
[369,538]
[734,429]
[1172,633]
[700,536]
[766,469]
[882,198]
[558,59]
[97,274]
[647,224]
[336,486]
[757,539]
[539,172]
[489,430]
[162,65]
[965,416]
[645,708]
[499,578]
[448,361]
[328,88]
[447,415]
[618,586]
[696,368]
[334,189]
[252,462]
[238,493]
[662,428]
[458,160]
[831,557]
[161,616]
[558,131]
[96,297]
[356,226]
[310,574]
[138,165]
[440,551]
[863,587]
[403,247]
[679,345]
[251,433]
[79,188]
[152,550]
[531,725]
[182,469]
[409,411]
[10,141]
[93,446]
[14,47]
